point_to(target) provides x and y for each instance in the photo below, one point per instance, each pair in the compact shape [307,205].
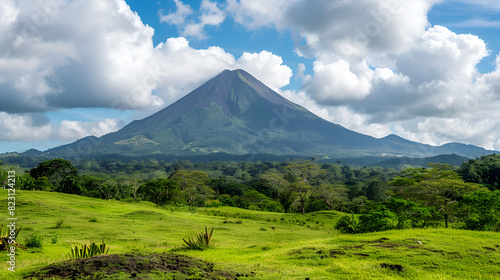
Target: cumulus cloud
[340,28]
[34,127]
[266,67]
[380,67]
[173,74]
[258,13]
[178,17]
[100,54]
[210,14]
[61,54]
[64,54]
[336,82]
[442,55]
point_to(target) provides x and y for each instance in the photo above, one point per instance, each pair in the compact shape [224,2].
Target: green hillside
[299,246]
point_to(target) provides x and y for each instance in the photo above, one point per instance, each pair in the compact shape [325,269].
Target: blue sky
[426,70]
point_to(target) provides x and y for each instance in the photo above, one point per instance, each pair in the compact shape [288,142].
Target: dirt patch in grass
[394,267]
[132,265]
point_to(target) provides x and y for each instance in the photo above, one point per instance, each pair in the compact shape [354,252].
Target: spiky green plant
[88,251]
[4,239]
[200,241]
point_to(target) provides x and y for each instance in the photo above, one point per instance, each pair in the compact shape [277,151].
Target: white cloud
[99,54]
[178,17]
[340,28]
[64,54]
[487,5]
[379,67]
[478,23]
[258,13]
[336,82]
[210,14]
[28,128]
[61,54]
[70,130]
[441,54]
[266,67]
[173,74]
[492,80]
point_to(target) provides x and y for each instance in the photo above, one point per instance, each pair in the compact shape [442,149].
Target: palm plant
[5,238]
[200,241]
[88,251]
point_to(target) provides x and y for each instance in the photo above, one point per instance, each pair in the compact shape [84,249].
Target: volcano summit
[236,114]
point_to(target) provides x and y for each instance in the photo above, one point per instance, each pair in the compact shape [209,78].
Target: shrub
[348,224]
[376,221]
[34,240]
[54,239]
[88,251]
[200,241]
[59,223]
[4,239]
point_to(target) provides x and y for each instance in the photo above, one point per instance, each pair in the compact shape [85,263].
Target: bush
[347,224]
[88,251]
[376,221]
[34,240]
[5,238]
[200,241]
[59,223]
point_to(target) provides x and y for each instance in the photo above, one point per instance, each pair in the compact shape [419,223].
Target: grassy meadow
[250,244]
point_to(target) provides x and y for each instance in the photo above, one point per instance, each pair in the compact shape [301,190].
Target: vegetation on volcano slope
[247,244]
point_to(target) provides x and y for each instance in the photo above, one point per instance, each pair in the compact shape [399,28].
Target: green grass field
[299,246]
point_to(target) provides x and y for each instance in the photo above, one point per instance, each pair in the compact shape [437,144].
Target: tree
[305,172]
[161,191]
[71,184]
[334,197]
[439,186]
[193,185]
[377,191]
[56,171]
[42,184]
[485,170]
[283,189]
[482,210]
[130,186]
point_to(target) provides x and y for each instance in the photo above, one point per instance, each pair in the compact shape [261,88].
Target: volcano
[236,114]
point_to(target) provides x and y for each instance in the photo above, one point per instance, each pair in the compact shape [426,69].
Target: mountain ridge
[234,113]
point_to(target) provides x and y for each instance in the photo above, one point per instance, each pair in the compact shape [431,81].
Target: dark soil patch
[380,240]
[132,265]
[334,253]
[361,255]
[395,245]
[349,247]
[395,267]
[490,249]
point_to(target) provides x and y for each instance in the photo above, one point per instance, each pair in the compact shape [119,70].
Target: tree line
[383,198]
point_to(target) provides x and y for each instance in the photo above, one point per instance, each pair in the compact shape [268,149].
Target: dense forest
[378,198]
